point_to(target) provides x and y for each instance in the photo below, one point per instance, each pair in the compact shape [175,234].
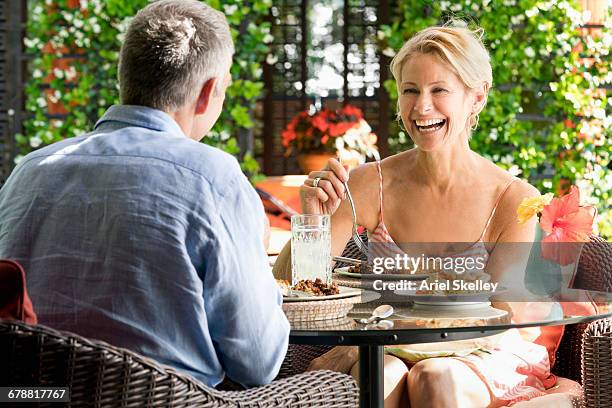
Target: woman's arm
[513,240]
[324,200]
[509,258]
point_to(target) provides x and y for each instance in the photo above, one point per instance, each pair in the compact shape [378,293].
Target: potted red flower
[319,135]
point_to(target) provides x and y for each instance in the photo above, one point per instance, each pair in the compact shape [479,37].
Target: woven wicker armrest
[101,375]
[597,364]
[321,388]
[568,358]
[568,361]
[299,357]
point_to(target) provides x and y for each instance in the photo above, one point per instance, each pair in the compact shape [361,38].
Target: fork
[356,238]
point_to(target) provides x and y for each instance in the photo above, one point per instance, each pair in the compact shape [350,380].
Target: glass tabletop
[434,319]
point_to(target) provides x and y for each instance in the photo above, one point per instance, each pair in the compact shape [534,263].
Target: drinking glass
[310,248]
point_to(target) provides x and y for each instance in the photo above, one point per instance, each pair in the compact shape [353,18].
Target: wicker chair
[100,375]
[277,210]
[585,352]
[592,366]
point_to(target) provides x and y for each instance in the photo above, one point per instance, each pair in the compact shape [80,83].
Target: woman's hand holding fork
[323,190]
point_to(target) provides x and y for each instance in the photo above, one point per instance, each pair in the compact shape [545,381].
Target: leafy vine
[546,118]
[75,48]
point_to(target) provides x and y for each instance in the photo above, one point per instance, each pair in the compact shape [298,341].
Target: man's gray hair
[171,48]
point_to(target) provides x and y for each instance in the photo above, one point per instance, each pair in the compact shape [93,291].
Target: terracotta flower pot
[313,161]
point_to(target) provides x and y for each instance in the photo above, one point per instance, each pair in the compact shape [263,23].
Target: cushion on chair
[14,300]
[278,212]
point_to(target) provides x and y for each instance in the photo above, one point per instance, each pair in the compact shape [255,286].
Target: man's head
[176,56]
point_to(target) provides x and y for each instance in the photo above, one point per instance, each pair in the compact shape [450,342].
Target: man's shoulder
[147,148]
[220,169]
[167,147]
[200,158]
[57,147]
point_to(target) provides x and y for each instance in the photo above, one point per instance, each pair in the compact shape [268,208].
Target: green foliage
[75,54]
[535,48]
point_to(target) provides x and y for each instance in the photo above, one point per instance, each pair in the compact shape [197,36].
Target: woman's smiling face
[435,105]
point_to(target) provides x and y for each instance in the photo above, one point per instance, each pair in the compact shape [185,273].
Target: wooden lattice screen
[285,80]
[362,19]
[286,77]
[12,66]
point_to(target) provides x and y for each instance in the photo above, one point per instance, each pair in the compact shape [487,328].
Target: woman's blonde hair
[456,45]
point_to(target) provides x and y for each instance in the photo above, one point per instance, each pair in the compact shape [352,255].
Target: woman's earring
[474,121]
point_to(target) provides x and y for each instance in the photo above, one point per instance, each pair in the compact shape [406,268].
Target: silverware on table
[351,261]
[293,293]
[356,238]
[380,325]
[381,312]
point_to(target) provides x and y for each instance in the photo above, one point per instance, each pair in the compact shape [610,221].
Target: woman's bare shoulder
[514,195]
[505,221]
[367,175]
[521,189]
[399,158]
[512,191]
[516,187]
[363,177]
[397,166]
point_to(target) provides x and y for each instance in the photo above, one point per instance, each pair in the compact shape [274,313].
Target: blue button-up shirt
[144,238]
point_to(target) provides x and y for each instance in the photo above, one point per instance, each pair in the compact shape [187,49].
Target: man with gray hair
[139,235]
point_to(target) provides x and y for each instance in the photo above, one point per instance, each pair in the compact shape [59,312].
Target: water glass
[310,248]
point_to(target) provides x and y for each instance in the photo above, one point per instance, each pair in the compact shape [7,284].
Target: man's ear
[206,93]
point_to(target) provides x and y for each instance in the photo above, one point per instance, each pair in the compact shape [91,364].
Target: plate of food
[354,272]
[448,299]
[309,290]
[449,288]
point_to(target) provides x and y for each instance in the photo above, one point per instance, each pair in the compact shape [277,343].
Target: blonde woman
[439,191]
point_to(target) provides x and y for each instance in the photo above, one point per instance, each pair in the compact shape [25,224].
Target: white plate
[447,300]
[452,305]
[345,292]
[344,271]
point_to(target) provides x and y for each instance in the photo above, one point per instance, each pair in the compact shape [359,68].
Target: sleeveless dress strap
[380,189]
[484,231]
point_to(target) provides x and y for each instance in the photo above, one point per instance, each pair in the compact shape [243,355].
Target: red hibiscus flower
[567,225]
